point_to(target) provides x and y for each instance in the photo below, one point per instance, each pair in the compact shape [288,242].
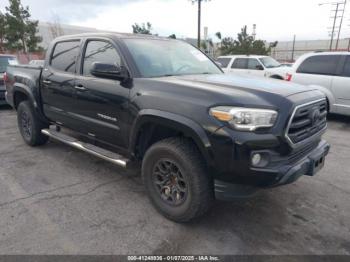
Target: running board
[88,148]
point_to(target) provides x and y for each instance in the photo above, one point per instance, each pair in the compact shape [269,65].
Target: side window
[346,69]
[99,51]
[64,56]
[224,61]
[253,64]
[321,65]
[240,63]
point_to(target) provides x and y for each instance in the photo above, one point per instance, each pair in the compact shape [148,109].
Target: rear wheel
[176,179]
[30,125]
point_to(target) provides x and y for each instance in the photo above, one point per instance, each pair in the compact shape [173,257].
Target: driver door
[102,104]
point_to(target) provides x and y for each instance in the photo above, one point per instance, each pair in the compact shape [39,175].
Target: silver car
[330,73]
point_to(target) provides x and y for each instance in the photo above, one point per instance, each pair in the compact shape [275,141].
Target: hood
[228,84]
[282,70]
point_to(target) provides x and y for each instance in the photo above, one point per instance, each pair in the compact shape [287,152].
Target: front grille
[307,120]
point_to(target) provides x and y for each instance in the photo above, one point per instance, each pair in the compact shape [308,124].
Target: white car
[330,73]
[264,66]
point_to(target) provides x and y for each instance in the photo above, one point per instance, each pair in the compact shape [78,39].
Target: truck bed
[23,75]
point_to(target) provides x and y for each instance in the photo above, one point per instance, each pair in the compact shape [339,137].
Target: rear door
[102,104]
[317,70]
[341,88]
[57,83]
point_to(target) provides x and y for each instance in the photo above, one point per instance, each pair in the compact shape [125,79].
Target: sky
[276,20]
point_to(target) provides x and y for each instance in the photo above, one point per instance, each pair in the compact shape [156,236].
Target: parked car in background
[264,66]
[330,73]
[5,60]
[37,62]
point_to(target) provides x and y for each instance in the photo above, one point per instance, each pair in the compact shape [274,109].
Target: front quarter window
[158,57]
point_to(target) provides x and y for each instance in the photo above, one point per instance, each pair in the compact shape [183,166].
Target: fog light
[256,158]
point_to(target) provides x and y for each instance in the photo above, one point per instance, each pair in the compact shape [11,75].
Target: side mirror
[259,67]
[110,71]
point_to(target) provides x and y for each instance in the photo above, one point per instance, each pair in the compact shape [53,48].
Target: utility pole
[337,4]
[199,23]
[340,25]
[199,2]
[333,28]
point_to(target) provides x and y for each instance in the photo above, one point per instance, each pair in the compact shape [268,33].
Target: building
[49,31]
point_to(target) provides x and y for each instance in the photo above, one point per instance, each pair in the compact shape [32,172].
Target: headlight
[245,119]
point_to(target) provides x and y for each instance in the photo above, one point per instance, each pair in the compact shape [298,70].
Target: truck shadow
[5,108]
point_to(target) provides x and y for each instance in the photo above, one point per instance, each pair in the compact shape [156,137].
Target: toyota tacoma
[165,107]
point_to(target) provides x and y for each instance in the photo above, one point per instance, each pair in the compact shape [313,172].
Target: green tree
[21,30]
[227,45]
[218,35]
[173,36]
[142,29]
[2,31]
[245,44]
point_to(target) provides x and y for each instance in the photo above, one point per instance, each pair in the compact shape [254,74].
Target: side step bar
[88,148]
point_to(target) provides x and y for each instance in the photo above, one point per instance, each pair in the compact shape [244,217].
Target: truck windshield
[156,58]
[5,61]
[269,62]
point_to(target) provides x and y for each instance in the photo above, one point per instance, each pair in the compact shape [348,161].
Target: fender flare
[21,88]
[185,125]
[329,95]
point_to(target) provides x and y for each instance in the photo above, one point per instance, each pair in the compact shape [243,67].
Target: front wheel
[30,125]
[176,179]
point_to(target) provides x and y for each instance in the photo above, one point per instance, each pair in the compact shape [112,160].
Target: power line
[338,5]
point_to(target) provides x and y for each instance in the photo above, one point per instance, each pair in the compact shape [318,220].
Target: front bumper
[282,174]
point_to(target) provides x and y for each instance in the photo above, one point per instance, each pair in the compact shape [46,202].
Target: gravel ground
[57,200]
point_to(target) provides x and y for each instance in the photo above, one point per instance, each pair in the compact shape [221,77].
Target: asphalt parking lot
[57,200]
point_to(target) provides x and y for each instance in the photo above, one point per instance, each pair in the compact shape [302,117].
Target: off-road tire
[187,157]
[30,125]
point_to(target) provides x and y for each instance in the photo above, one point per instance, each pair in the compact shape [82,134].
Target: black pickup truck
[164,106]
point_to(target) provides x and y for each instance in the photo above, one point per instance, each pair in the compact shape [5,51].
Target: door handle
[80,88]
[46,82]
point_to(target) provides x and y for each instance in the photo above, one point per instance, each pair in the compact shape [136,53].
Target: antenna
[254,31]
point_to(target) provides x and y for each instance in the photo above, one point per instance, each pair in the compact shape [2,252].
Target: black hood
[227,84]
